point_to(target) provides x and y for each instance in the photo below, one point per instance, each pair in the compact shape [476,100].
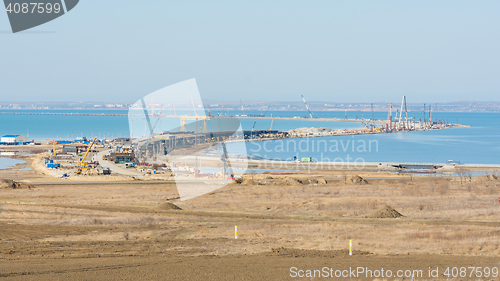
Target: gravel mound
[491,178]
[168,206]
[358,180]
[385,211]
[13,184]
[322,181]
[290,181]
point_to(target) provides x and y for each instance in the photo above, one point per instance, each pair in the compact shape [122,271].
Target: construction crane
[152,106]
[194,107]
[406,117]
[81,163]
[373,118]
[307,107]
[228,173]
[400,121]
[272,121]
[431,113]
[54,146]
[265,112]
[425,116]
[389,117]
[242,108]
[400,113]
[253,127]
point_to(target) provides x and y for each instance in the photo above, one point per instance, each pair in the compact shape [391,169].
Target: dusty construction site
[118,229]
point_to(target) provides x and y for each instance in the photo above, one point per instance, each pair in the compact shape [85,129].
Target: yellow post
[350,247]
[236,232]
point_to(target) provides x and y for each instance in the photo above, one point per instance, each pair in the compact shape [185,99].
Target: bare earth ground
[127,231]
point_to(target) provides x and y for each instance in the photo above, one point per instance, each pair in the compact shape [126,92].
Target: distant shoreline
[277,106]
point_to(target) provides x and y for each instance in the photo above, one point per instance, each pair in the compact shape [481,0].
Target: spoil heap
[168,206]
[13,184]
[358,180]
[385,211]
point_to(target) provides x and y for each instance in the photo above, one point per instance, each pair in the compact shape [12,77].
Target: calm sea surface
[479,144]
[8,162]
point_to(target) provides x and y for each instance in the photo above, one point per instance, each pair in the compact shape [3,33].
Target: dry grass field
[130,226]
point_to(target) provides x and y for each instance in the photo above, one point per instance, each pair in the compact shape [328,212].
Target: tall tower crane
[373,119]
[242,108]
[389,116]
[400,121]
[307,107]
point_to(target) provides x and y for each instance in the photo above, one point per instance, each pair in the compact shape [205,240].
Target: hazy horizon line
[266,101]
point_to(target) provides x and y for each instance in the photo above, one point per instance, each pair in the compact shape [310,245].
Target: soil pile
[244,181]
[168,206]
[312,181]
[247,181]
[307,181]
[491,178]
[13,184]
[321,181]
[385,211]
[290,181]
[358,180]
[255,180]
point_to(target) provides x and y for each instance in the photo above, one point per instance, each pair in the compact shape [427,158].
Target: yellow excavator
[81,163]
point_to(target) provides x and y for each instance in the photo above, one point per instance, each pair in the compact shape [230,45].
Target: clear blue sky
[359,51]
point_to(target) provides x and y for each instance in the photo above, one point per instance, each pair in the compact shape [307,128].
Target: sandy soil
[124,231]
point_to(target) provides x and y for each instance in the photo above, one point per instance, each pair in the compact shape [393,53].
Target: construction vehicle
[81,164]
[87,171]
[80,170]
[130,164]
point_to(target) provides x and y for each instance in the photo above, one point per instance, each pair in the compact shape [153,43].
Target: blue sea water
[64,127]
[6,163]
[479,144]
[69,127]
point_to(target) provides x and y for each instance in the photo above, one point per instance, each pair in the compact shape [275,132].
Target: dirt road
[278,265]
